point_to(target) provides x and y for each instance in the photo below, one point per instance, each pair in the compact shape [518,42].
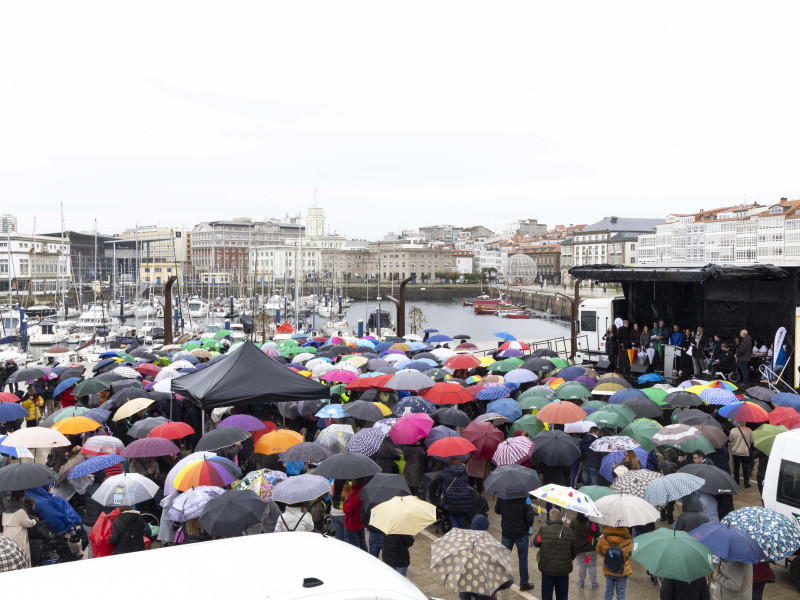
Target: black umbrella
[643,407]
[109,377]
[393,339]
[451,416]
[383,487]
[717,481]
[512,481]
[461,336]
[545,352]
[437,374]
[230,513]
[221,438]
[29,374]
[122,396]
[761,393]
[692,416]
[24,476]
[122,384]
[426,354]
[556,448]
[299,408]
[370,395]
[362,350]
[143,427]
[366,411]
[347,466]
[71,372]
[144,354]
[306,451]
[537,364]
[685,399]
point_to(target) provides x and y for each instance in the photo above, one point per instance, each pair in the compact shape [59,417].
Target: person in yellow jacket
[617,544]
[33,403]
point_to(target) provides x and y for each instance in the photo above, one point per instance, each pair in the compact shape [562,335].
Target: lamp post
[378,318]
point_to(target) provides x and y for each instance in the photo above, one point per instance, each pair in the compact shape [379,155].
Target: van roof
[268,566]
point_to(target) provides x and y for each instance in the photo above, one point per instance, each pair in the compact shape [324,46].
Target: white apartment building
[8,223]
[37,263]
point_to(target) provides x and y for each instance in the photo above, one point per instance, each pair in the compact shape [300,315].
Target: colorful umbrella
[747,412]
[214,471]
[513,451]
[777,535]
[261,482]
[569,498]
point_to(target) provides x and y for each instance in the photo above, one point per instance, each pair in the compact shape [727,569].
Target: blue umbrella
[718,396]
[332,411]
[100,415]
[299,336]
[570,373]
[417,365]
[729,543]
[12,451]
[438,339]
[191,358]
[612,458]
[619,396]
[493,392]
[506,407]
[786,399]
[383,346]
[95,464]
[65,385]
[108,355]
[104,363]
[504,335]
[215,359]
[650,378]
[187,370]
[11,411]
[312,343]
[430,330]
[439,432]
[419,346]
[58,370]
[518,376]
[414,404]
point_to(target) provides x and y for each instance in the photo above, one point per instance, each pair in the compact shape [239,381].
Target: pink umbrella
[513,451]
[150,447]
[411,428]
[339,376]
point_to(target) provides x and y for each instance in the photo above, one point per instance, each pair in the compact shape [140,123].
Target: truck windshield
[588,320]
[789,484]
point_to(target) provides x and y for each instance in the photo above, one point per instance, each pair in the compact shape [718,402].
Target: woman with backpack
[616,547]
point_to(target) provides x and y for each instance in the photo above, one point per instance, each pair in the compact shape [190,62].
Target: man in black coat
[624,344]
[558,551]
[516,518]
[591,459]
[128,531]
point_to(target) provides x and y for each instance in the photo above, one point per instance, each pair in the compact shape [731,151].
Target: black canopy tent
[724,299]
[247,376]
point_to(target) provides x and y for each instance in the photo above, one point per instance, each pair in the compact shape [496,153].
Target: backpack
[614,560]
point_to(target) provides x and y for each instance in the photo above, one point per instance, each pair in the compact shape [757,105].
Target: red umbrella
[561,412]
[7,397]
[780,415]
[362,384]
[462,361]
[450,446]
[514,345]
[485,436]
[171,431]
[447,392]
[147,369]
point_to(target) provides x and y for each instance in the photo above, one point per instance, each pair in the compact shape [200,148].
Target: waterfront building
[8,223]
[162,253]
[38,263]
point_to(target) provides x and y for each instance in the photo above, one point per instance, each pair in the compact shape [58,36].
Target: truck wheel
[794,572]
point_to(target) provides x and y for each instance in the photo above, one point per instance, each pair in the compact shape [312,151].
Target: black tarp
[248,376]
[619,273]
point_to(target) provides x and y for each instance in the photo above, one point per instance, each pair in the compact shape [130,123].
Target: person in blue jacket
[55,511]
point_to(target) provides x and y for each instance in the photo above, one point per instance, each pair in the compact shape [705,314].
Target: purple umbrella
[589,382]
[149,448]
[246,422]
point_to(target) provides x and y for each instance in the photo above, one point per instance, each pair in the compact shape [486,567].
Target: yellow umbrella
[75,425]
[305,373]
[131,407]
[486,360]
[403,515]
[696,389]
[356,361]
[385,410]
[607,389]
[400,346]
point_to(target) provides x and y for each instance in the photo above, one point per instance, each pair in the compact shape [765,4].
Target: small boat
[516,314]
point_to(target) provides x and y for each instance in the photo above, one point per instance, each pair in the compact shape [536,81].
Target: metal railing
[774,379]
[560,345]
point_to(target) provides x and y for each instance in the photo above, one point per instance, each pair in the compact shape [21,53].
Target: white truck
[782,485]
[595,315]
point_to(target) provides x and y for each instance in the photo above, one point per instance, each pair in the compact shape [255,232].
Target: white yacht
[237,332]
[94,318]
[197,307]
[336,327]
[47,334]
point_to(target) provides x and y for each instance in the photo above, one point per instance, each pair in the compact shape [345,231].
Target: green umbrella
[287,343]
[127,358]
[764,436]
[623,411]
[504,366]
[699,443]
[90,386]
[527,423]
[339,388]
[212,345]
[190,345]
[672,554]
[222,333]
[596,404]
[573,390]
[207,340]
[532,402]
[538,391]
[606,419]
[595,492]
[655,394]
[291,352]
[559,363]
[642,431]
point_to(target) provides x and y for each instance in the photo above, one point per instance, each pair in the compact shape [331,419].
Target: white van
[782,484]
[283,566]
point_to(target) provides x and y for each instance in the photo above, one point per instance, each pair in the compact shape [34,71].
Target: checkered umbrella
[471,561]
[717,396]
[634,482]
[365,441]
[672,487]
[513,451]
[12,557]
[614,443]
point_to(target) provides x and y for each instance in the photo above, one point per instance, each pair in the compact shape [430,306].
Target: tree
[416,319]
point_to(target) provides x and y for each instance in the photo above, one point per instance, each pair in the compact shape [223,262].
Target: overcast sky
[400,114]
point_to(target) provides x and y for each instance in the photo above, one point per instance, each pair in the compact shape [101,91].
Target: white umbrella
[125,490]
[302,357]
[335,437]
[164,386]
[412,337]
[314,362]
[190,504]
[36,437]
[442,353]
[179,364]
[167,374]
[321,369]
[579,427]
[126,372]
[392,358]
[625,510]
[409,380]
[173,472]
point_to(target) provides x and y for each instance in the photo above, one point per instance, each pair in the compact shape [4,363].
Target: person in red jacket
[66,398]
[353,525]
